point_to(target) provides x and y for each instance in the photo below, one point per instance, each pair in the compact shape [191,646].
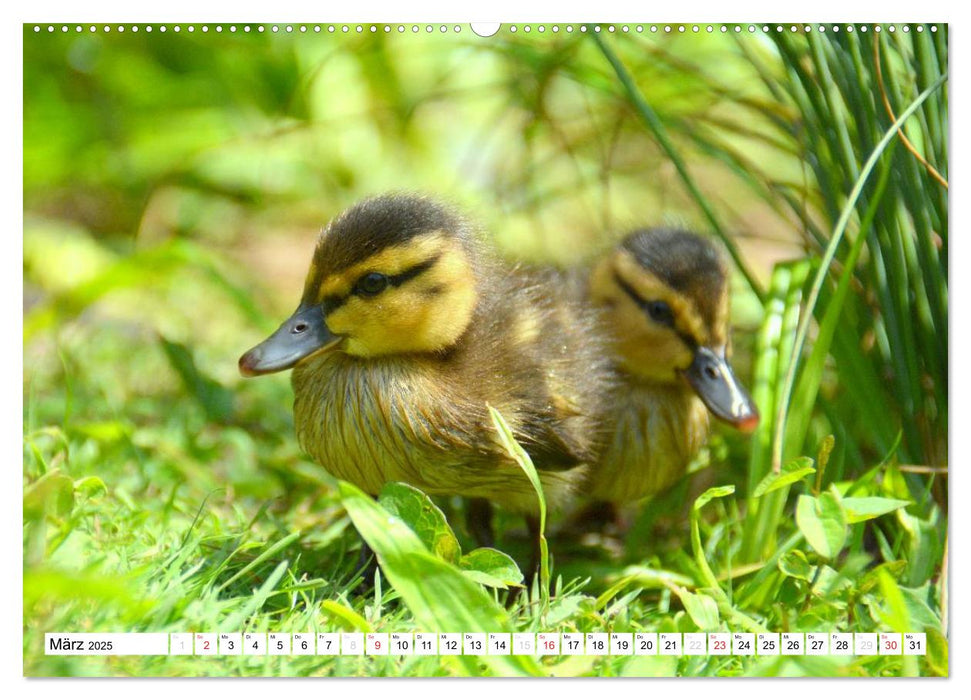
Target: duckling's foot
[478,520]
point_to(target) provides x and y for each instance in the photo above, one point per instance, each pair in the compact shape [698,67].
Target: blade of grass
[811,375]
[773,349]
[438,594]
[650,118]
[526,464]
[267,553]
[725,606]
[236,621]
[848,209]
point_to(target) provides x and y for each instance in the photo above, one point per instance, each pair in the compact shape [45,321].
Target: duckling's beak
[303,334]
[713,380]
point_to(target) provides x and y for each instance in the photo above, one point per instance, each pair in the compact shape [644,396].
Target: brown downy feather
[371,415]
[663,297]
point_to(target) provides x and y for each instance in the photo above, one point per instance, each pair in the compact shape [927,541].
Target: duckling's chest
[657,431]
[373,422]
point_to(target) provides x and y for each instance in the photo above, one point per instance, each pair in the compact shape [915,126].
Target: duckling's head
[392,275]
[664,293]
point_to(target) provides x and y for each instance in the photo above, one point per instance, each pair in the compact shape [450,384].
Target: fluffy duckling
[407,330]
[664,297]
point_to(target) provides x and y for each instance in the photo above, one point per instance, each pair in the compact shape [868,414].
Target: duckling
[664,297]
[407,330]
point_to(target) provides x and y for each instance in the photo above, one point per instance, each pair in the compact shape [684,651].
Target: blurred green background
[174,184]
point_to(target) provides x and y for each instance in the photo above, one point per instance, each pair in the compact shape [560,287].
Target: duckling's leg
[478,520]
[598,516]
[365,557]
[367,566]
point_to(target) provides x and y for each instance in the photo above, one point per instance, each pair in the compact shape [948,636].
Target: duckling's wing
[564,372]
[552,447]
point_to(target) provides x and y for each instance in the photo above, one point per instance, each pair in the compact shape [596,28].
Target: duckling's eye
[372,283]
[660,312]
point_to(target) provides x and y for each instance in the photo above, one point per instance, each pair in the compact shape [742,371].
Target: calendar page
[430,349]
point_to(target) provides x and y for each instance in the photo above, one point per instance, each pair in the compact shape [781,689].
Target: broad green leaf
[792,472]
[490,567]
[893,609]
[859,509]
[900,608]
[872,578]
[795,565]
[712,493]
[925,544]
[89,485]
[438,594]
[920,613]
[567,607]
[893,483]
[822,522]
[62,256]
[829,583]
[937,652]
[424,518]
[54,489]
[702,609]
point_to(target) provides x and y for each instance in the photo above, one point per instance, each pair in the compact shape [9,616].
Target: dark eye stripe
[644,305]
[332,303]
[412,272]
[631,292]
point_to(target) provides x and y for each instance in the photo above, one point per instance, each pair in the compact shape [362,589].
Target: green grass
[164,493]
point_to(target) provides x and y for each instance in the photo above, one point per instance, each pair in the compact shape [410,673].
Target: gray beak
[301,335]
[713,380]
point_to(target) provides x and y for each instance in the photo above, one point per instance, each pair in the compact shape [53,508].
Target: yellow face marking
[390,261]
[649,287]
[642,347]
[428,313]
